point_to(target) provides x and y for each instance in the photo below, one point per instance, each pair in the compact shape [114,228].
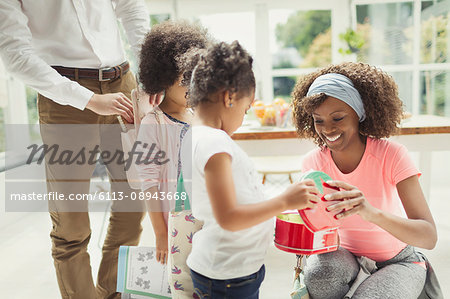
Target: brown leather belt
[103,74]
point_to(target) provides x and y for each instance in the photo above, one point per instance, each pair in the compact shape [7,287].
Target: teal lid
[319,218]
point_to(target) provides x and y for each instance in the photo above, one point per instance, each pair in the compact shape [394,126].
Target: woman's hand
[162,248]
[417,230]
[352,201]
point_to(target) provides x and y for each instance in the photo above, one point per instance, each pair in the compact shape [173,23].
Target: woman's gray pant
[330,275]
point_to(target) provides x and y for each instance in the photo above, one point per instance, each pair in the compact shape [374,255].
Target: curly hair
[158,67]
[221,66]
[378,91]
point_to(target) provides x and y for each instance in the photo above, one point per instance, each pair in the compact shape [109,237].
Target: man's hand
[112,104]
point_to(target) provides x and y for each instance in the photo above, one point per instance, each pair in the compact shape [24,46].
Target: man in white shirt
[71,53]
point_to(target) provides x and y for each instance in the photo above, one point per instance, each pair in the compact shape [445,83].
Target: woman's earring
[231,105]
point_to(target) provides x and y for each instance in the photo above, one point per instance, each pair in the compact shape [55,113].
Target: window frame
[416,67]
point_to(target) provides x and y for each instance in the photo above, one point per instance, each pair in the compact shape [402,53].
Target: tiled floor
[27,268]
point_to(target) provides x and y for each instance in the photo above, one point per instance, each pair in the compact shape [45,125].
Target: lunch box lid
[319,218]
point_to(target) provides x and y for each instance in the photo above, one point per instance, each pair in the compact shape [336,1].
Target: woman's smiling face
[337,124]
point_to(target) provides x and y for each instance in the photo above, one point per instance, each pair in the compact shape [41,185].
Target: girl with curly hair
[165,127]
[348,109]
[227,254]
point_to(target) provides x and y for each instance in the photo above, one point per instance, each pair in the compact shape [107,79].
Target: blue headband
[340,87]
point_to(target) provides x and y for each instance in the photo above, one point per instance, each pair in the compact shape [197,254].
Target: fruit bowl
[276,113]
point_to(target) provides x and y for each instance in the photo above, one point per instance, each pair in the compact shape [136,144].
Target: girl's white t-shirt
[218,253]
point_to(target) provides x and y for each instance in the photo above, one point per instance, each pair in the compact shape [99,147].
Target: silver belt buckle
[100,74]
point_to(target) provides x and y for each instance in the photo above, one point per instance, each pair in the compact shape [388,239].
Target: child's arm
[232,216]
[159,225]
[418,230]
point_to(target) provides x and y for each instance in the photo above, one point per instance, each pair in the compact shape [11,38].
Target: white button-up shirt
[36,34]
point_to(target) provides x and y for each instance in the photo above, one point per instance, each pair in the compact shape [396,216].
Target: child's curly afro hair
[378,91]
[158,68]
[221,66]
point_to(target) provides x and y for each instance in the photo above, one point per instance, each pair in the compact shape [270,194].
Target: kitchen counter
[415,125]
[422,134]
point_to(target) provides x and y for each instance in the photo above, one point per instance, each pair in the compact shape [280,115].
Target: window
[434,32]
[404,82]
[410,40]
[298,39]
[435,92]
[386,29]
[3,105]
[2,130]
[232,26]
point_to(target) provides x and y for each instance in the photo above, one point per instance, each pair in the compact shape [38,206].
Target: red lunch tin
[309,231]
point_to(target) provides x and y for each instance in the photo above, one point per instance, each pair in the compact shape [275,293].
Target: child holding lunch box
[227,257]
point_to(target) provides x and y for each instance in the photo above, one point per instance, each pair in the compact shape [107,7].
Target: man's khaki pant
[72,129]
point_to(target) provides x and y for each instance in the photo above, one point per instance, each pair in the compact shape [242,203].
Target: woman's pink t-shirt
[383,165]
